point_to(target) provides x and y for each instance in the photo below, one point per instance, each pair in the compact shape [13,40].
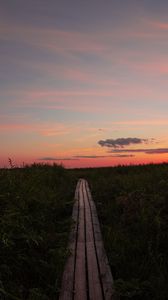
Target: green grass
[132,204]
[36,205]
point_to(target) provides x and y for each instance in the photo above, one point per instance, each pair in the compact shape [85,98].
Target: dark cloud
[123,155]
[92,156]
[127,150]
[147,151]
[157,151]
[121,142]
[55,158]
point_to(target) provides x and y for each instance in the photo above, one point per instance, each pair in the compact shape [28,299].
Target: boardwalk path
[87,274]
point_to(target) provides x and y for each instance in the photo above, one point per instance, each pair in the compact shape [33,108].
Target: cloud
[157,151]
[55,158]
[160,25]
[146,151]
[123,155]
[53,39]
[121,142]
[142,122]
[53,99]
[47,129]
[92,156]
[128,150]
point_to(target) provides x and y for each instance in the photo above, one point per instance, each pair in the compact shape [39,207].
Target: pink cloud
[52,39]
[74,100]
[50,129]
[154,122]
[153,67]
[101,100]
[160,25]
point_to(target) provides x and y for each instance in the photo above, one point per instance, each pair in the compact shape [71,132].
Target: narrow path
[87,275]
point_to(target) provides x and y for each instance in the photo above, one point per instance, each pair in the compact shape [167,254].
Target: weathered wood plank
[95,290]
[80,269]
[68,274]
[87,273]
[105,271]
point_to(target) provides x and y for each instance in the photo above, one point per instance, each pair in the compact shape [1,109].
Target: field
[132,204]
[36,204]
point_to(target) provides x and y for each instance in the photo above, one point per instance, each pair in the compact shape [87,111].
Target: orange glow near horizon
[89,162]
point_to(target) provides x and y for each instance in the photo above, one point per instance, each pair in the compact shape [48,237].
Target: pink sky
[74,75]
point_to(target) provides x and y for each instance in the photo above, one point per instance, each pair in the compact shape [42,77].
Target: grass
[132,204]
[36,205]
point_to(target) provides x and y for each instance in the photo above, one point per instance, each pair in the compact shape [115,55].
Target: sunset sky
[83,83]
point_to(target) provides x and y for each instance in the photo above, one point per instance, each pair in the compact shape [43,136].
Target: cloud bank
[121,142]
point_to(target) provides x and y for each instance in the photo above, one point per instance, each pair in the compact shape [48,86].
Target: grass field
[36,204]
[132,204]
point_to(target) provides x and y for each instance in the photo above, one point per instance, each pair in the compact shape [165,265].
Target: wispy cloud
[44,129]
[159,25]
[49,158]
[143,122]
[73,99]
[92,156]
[123,155]
[53,39]
[157,151]
[146,151]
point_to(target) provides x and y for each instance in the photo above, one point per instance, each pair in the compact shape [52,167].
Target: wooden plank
[68,274]
[105,271]
[95,290]
[80,292]
[87,273]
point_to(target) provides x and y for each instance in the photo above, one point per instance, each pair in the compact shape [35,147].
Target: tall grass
[35,204]
[132,204]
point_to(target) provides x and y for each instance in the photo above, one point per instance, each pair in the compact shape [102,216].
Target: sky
[83,83]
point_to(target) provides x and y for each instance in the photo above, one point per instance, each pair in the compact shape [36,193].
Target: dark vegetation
[132,204]
[36,205]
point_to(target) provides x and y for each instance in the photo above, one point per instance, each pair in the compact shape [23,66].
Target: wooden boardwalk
[87,274]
